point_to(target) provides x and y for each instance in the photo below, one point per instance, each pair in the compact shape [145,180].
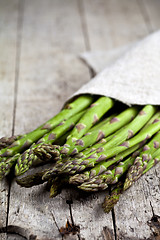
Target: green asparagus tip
[110,202]
[78,179]
[47,151]
[127,184]
[93,187]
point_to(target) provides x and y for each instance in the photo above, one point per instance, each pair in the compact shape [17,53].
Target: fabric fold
[130,74]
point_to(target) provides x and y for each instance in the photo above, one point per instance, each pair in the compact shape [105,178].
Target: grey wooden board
[136,207]
[49,73]
[113,23]
[50,36]
[8,40]
[15,237]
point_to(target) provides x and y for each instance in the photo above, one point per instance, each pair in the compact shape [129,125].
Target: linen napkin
[129,74]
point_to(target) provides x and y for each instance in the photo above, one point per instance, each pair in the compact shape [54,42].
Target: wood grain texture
[113,23]
[150,12]
[8,41]
[135,208]
[49,72]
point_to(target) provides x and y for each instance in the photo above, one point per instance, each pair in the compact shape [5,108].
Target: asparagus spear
[101,167]
[36,178]
[32,177]
[28,158]
[20,145]
[47,150]
[108,150]
[109,176]
[83,154]
[113,198]
[95,134]
[91,117]
[44,151]
[57,184]
[123,185]
[105,130]
[6,164]
[117,191]
[141,165]
[7,141]
[112,176]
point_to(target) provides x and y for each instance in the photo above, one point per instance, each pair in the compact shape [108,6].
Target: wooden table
[39,69]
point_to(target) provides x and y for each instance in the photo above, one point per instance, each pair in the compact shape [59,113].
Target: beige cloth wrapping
[130,74]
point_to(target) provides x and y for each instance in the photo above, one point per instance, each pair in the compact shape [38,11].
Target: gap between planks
[17,65]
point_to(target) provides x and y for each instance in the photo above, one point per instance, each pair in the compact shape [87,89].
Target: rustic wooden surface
[39,69]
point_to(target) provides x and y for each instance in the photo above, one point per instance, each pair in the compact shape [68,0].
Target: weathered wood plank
[49,73]
[113,23]
[150,11]
[137,207]
[125,22]
[140,203]
[90,208]
[8,40]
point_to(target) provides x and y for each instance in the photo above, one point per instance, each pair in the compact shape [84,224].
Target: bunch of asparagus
[92,143]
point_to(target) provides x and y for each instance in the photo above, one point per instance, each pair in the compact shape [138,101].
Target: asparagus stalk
[141,166]
[83,154]
[105,130]
[111,200]
[117,191]
[6,164]
[23,143]
[47,150]
[32,177]
[122,185]
[101,168]
[91,117]
[95,134]
[28,158]
[43,151]
[57,184]
[112,176]
[7,141]
[108,150]
[71,109]
[109,176]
